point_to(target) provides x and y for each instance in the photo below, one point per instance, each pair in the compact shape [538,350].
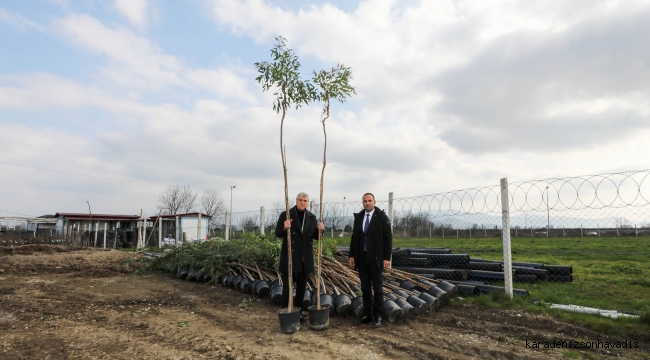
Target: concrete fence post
[178,230]
[105,235]
[159,233]
[227,225]
[97,229]
[507,250]
[198,228]
[262,219]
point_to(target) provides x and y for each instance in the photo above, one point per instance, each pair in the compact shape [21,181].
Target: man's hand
[321,226]
[386,263]
[287,224]
[351,262]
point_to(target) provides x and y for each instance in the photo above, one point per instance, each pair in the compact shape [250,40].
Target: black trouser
[370,276]
[301,284]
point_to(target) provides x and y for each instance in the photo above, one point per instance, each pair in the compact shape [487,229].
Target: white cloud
[137,63]
[484,75]
[451,94]
[19,21]
[134,10]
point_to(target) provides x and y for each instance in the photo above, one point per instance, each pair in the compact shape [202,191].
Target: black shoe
[377,322]
[302,319]
[363,320]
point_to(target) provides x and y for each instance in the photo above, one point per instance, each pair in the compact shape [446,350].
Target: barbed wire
[609,200]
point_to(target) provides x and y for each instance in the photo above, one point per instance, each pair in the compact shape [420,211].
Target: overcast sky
[138,95]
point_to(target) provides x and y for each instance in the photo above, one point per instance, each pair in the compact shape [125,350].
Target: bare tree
[278,208]
[213,203]
[248,223]
[177,199]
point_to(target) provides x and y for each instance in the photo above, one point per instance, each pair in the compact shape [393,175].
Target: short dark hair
[373,196]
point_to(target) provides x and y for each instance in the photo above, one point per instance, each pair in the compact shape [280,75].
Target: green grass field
[609,273]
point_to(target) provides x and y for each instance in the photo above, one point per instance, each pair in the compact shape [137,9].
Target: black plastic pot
[306,300]
[325,300]
[432,303]
[222,279]
[408,309]
[262,289]
[253,285]
[423,285]
[439,294]
[343,305]
[228,280]
[289,321]
[276,294]
[198,277]
[357,306]
[391,296]
[394,283]
[392,312]
[235,282]
[401,293]
[448,287]
[184,272]
[206,278]
[319,319]
[275,282]
[406,285]
[243,285]
[419,305]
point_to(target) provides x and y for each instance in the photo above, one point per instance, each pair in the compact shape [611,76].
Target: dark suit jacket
[301,242]
[380,234]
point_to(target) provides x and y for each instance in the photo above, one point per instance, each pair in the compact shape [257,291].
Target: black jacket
[380,234]
[301,242]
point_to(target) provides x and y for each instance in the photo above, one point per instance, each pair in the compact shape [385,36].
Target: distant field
[609,273]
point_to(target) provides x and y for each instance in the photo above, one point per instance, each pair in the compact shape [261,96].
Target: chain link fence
[612,205]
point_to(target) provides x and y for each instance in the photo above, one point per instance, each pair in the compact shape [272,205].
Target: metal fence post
[178,230]
[262,218]
[96,234]
[507,251]
[390,210]
[198,228]
[227,225]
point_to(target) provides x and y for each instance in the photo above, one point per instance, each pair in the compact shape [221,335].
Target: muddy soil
[62,303]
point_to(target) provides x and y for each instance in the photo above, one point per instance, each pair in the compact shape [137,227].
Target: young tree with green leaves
[282,74]
[332,85]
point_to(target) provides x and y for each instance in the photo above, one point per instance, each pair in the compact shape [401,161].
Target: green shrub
[213,256]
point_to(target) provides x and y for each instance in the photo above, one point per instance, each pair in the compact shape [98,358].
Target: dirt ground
[61,303]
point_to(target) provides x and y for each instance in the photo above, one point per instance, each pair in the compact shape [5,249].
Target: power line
[16,213]
[101,177]
[71,173]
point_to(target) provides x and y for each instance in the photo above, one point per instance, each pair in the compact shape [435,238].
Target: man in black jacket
[303,230]
[370,250]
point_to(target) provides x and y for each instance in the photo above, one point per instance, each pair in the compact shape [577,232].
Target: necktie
[365,225]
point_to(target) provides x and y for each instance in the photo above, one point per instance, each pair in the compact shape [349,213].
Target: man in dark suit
[304,229]
[370,251]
